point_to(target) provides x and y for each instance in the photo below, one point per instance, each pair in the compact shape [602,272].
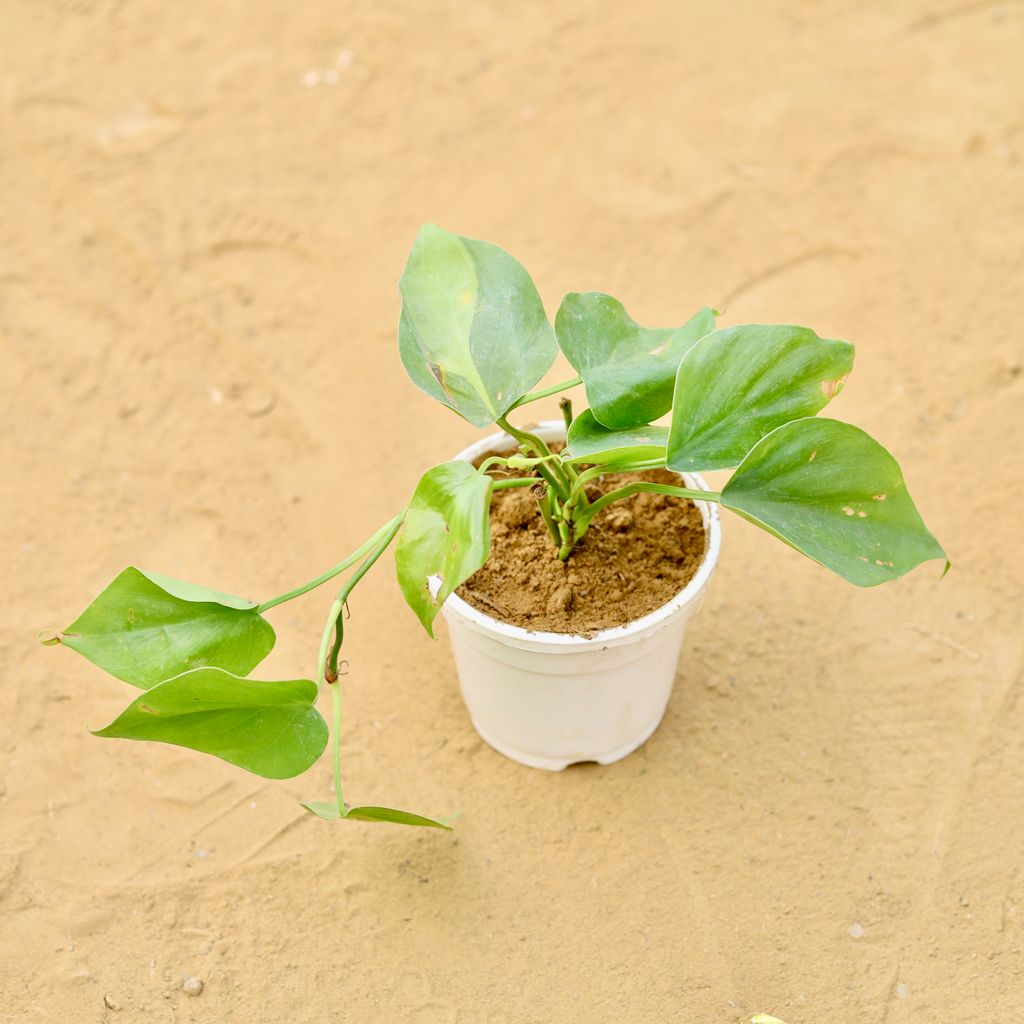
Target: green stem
[544,504]
[565,404]
[585,516]
[325,639]
[516,481]
[512,462]
[327,661]
[578,489]
[336,746]
[535,396]
[552,474]
[350,584]
[491,460]
[566,541]
[344,564]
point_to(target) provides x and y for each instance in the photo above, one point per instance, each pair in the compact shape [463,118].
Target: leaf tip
[49,637]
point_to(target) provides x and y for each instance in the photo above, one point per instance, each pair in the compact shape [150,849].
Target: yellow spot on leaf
[879,497]
[849,511]
[815,452]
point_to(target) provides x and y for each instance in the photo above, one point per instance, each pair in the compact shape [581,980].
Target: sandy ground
[205,210]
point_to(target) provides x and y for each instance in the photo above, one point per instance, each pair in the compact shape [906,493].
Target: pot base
[558,764]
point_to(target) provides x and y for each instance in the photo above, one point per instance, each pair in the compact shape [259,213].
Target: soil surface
[206,209]
[636,556]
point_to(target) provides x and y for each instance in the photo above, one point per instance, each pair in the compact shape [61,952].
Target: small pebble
[561,600]
[192,986]
[619,520]
[258,402]
[901,991]
[111,1003]
[518,510]
[856,931]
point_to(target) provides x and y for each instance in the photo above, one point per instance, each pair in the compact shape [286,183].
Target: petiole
[344,564]
[584,517]
[535,396]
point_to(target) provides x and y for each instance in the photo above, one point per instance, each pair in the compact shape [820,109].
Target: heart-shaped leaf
[398,817]
[832,492]
[739,383]
[145,628]
[590,441]
[473,332]
[269,728]
[629,371]
[446,536]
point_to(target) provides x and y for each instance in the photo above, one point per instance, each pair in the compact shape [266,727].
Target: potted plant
[558,660]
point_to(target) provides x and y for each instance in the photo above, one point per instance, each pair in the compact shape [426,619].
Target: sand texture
[206,208]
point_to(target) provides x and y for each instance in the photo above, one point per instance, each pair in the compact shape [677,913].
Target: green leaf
[739,383]
[832,492]
[446,536]
[329,811]
[629,371]
[590,441]
[195,592]
[398,817]
[145,628]
[326,809]
[269,728]
[473,333]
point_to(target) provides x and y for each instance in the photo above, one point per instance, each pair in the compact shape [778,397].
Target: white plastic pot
[549,700]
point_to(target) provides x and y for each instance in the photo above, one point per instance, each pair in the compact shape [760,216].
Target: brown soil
[636,555]
[199,244]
